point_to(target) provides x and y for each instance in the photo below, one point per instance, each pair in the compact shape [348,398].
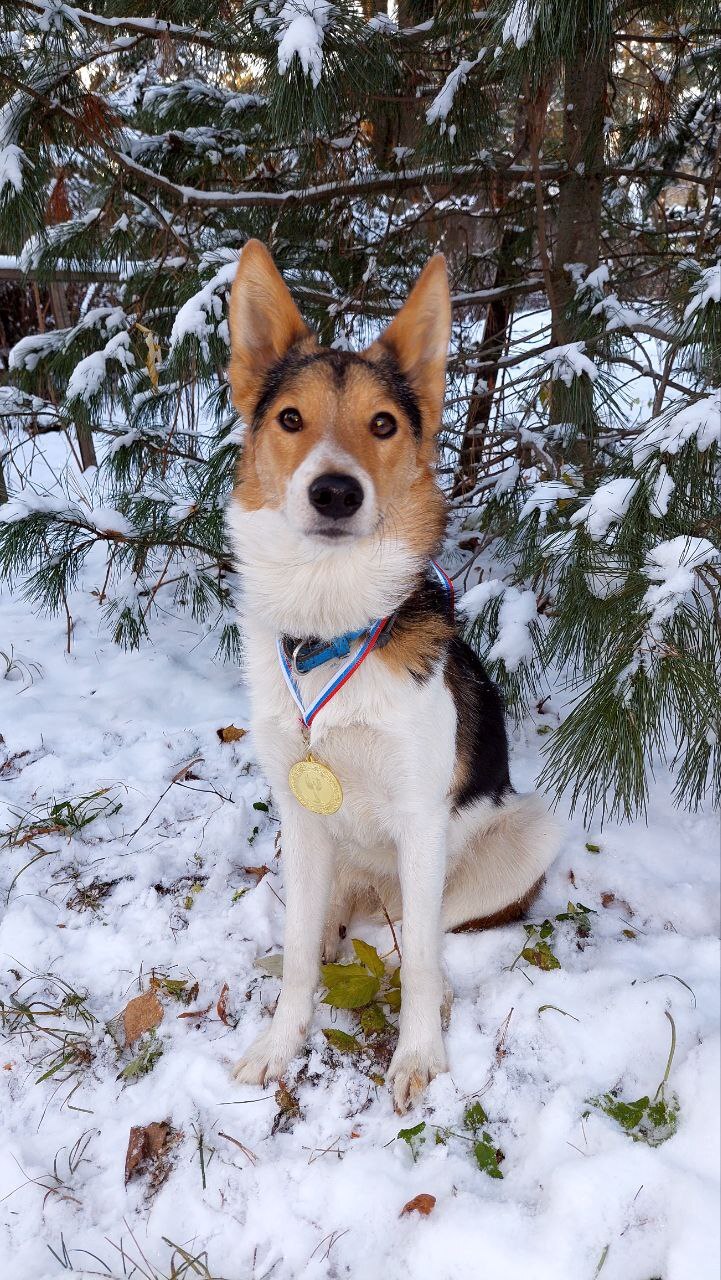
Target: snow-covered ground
[165,887]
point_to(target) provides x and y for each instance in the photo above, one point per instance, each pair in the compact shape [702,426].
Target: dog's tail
[503,864]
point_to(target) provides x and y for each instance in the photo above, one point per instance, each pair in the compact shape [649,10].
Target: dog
[397,788]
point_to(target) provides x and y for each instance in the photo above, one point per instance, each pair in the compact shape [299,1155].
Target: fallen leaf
[141,1014]
[221,1007]
[610,900]
[271,964]
[423,1203]
[196,1013]
[148,1149]
[288,1109]
[231,733]
[258,872]
[184,772]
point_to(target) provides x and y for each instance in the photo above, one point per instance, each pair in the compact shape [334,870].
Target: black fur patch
[385,370]
[481,742]
[427,601]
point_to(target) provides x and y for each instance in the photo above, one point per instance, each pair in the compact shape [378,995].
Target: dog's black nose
[335,496]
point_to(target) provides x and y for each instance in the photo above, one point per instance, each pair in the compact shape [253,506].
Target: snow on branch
[606,506]
[671,567]
[700,421]
[705,290]
[299,27]
[202,315]
[519,24]
[517,613]
[89,374]
[568,362]
[442,104]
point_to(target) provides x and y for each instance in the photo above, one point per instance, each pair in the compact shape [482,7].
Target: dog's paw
[266,1059]
[335,941]
[411,1071]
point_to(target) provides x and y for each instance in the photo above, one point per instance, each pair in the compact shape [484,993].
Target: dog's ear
[418,339]
[264,324]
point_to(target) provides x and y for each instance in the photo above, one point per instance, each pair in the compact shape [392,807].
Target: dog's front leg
[420,1054]
[307,871]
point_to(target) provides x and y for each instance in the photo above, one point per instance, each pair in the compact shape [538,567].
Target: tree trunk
[529,122]
[578,229]
[495,331]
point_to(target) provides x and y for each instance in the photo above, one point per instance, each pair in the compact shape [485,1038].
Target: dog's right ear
[264,324]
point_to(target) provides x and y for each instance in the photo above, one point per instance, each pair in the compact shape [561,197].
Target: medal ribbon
[446,584]
[337,681]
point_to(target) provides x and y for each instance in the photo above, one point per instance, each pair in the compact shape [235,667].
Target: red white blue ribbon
[337,681]
[330,689]
[446,583]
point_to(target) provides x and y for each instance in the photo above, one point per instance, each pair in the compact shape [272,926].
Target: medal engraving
[315,786]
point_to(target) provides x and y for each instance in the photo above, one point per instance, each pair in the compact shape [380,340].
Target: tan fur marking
[417,647]
[265,324]
[409,500]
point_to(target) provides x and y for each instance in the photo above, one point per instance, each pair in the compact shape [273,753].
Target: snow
[517,611]
[322,1199]
[568,362]
[89,374]
[705,290]
[475,600]
[514,643]
[520,22]
[606,506]
[700,421]
[12,160]
[29,351]
[108,520]
[442,104]
[299,30]
[671,566]
[543,498]
[662,491]
[195,318]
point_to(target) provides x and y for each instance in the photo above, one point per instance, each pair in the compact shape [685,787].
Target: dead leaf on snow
[221,1007]
[231,733]
[148,1150]
[197,1013]
[610,900]
[289,1109]
[423,1203]
[141,1014]
[270,964]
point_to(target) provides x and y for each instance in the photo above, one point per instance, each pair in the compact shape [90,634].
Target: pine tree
[567,160]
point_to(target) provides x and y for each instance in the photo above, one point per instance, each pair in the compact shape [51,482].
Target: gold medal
[315,786]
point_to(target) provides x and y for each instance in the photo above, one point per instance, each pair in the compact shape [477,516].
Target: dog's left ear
[264,324]
[418,339]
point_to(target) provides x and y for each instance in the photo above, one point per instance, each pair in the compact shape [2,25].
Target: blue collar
[306,655]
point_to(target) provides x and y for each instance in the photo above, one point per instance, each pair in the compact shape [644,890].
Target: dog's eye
[384,425]
[290,420]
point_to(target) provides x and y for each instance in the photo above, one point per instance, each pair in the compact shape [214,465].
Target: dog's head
[337,461]
[336,439]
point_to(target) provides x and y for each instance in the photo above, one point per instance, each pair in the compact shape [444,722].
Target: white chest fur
[389,740]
